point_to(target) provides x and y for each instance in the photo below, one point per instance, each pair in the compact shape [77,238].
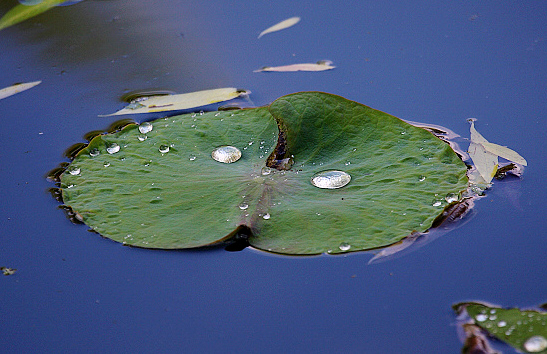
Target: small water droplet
[243,206]
[200,113]
[266,216]
[451,198]
[142,137]
[106,164]
[217,114]
[347,163]
[113,148]
[493,318]
[481,317]
[74,170]
[344,246]
[535,344]
[164,149]
[421,179]
[250,143]
[436,203]
[331,179]
[192,158]
[502,324]
[226,154]
[403,133]
[265,171]
[145,127]
[94,152]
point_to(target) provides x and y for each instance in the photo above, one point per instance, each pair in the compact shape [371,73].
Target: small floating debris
[280,26]
[14,89]
[152,104]
[321,65]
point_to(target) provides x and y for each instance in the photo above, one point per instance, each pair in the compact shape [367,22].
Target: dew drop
[73,170]
[94,152]
[164,149]
[437,203]
[421,179]
[451,198]
[344,246]
[265,171]
[106,164]
[481,317]
[493,318]
[226,154]
[113,148]
[142,137]
[192,158]
[243,206]
[266,216]
[535,344]
[145,127]
[502,324]
[331,179]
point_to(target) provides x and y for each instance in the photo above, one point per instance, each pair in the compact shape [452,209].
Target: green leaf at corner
[20,12]
[401,176]
[524,330]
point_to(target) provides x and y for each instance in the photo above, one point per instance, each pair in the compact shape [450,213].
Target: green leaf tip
[311,173]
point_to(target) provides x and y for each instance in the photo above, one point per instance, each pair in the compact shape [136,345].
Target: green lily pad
[524,330]
[163,188]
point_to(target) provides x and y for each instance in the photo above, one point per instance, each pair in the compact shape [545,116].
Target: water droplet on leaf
[266,216]
[226,154]
[243,206]
[535,344]
[145,127]
[344,246]
[113,148]
[421,179]
[73,170]
[94,152]
[331,179]
[142,137]
[164,149]
[481,317]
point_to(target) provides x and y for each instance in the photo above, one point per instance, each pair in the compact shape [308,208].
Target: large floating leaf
[162,188]
[524,330]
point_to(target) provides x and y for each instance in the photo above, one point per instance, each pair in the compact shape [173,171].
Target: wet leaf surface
[159,185]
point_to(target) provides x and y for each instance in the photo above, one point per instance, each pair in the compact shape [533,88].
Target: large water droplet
[344,246]
[94,152]
[226,154]
[113,148]
[535,344]
[74,170]
[330,179]
[145,127]
[164,149]
[502,324]
[481,317]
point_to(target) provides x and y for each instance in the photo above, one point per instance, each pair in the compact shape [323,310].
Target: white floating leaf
[319,66]
[505,152]
[485,162]
[12,90]
[476,137]
[181,101]
[280,26]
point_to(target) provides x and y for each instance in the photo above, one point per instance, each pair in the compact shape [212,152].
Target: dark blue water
[422,61]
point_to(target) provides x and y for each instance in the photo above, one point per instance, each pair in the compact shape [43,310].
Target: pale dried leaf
[280,26]
[12,90]
[476,137]
[319,66]
[505,152]
[181,101]
[485,162]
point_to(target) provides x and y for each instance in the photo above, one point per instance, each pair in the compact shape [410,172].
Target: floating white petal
[280,26]
[12,90]
[319,66]
[181,101]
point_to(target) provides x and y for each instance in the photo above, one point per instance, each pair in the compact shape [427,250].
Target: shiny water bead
[226,154]
[344,246]
[331,179]
[535,344]
[164,149]
[145,127]
[94,152]
[113,148]
[73,170]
